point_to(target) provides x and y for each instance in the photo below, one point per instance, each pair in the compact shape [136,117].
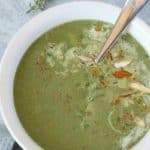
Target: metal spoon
[130,9]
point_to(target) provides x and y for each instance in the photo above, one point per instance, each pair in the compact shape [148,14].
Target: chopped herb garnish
[86,125]
[38,5]
[87,84]
[146,55]
[101,77]
[90,99]
[115,82]
[48,54]
[80,114]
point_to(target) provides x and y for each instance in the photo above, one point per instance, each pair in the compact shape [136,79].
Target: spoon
[130,9]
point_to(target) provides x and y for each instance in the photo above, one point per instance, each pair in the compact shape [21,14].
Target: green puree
[67,103]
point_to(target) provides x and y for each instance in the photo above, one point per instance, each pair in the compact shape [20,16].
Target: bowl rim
[5,115]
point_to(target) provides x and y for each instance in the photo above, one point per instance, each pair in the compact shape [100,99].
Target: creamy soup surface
[67,102]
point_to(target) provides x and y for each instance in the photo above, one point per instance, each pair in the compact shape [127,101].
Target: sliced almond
[85,59]
[140,123]
[122,63]
[140,87]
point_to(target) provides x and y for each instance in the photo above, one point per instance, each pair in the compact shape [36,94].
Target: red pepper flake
[126,95]
[110,55]
[57,96]
[68,97]
[116,101]
[50,45]
[38,92]
[103,84]
[68,102]
[89,113]
[122,74]
[41,63]
[120,98]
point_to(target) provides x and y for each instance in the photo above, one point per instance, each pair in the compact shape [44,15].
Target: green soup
[67,102]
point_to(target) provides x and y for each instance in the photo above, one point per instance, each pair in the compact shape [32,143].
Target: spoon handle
[131,8]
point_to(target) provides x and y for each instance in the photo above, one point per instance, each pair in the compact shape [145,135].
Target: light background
[12,16]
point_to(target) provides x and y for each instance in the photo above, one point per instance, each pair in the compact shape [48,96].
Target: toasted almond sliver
[140,87]
[85,59]
[140,123]
[122,63]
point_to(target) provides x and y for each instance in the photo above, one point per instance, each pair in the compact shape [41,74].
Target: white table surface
[13,16]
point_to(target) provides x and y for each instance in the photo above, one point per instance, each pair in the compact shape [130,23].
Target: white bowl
[36,27]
